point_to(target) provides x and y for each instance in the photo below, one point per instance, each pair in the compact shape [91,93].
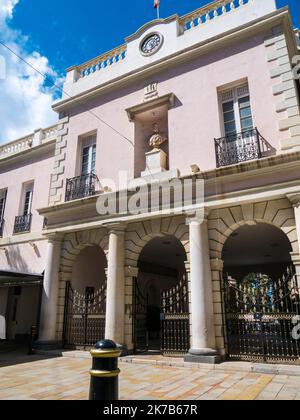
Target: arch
[224,222]
[75,243]
[89,269]
[139,234]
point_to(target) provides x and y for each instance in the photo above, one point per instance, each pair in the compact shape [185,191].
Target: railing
[210,12]
[23,223]
[81,187]
[28,142]
[16,146]
[102,61]
[1,227]
[241,147]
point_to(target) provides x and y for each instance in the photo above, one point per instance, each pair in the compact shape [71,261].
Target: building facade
[208,100]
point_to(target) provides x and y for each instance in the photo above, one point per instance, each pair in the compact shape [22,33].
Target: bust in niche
[157,139]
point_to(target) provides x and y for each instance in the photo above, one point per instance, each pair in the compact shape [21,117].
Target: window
[89,150]
[236,109]
[3,194]
[27,205]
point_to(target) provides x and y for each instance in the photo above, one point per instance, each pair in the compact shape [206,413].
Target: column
[48,324]
[131,273]
[203,345]
[115,299]
[295,200]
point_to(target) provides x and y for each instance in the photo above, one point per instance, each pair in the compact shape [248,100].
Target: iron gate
[140,319]
[84,322]
[261,316]
[175,319]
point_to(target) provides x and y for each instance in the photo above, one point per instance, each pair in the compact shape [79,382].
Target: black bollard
[105,372]
[32,340]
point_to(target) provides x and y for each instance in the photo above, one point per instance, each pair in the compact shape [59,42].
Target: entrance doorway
[161,299]
[85,304]
[261,295]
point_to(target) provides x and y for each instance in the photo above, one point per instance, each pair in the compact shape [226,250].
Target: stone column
[295,200]
[131,273]
[115,300]
[48,324]
[203,345]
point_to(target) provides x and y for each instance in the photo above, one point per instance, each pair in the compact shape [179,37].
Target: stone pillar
[131,273]
[48,320]
[203,338]
[295,200]
[115,299]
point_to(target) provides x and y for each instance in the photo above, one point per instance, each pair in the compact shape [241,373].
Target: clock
[151,44]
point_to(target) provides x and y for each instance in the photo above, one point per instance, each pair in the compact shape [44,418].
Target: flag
[156,4]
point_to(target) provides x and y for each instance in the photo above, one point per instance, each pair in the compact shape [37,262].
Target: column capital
[55,237]
[117,228]
[198,216]
[294,199]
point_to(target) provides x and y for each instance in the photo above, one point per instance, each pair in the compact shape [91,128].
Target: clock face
[151,44]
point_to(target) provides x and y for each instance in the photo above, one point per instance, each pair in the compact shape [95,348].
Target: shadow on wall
[16,261]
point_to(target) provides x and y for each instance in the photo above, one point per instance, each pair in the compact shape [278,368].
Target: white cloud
[25,103]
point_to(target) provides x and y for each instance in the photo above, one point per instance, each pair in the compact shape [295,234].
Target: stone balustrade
[215,10]
[28,142]
[102,61]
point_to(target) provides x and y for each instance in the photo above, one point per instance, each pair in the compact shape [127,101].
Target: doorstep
[178,362]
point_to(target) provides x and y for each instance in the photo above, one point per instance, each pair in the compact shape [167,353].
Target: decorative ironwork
[140,310]
[1,226]
[23,223]
[241,147]
[175,319]
[260,317]
[81,187]
[84,323]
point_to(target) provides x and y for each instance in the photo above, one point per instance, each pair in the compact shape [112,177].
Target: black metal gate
[140,310]
[175,319]
[262,317]
[84,322]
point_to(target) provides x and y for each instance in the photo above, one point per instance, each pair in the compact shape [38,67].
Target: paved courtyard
[67,378]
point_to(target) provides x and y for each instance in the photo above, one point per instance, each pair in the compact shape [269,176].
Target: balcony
[23,223]
[1,227]
[81,187]
[242,147]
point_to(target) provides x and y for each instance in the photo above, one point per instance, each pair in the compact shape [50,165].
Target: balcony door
[237,112]
[27,200]
[88,160]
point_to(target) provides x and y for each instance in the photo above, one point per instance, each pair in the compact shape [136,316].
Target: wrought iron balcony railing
[23,223]
[1,227]
[81,187]
[241,147]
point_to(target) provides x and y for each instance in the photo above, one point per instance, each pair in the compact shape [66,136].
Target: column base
[124,349]
[48,345]
[207,356]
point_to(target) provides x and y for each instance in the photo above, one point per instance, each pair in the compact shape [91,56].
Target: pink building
[208,100]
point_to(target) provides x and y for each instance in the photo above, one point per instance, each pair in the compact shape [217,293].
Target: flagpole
[158,14]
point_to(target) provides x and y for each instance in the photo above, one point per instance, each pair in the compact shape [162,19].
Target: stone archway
[223,222]
[73,244]
[261,296]
[138,235]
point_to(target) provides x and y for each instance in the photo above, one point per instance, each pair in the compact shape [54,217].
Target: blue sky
[55,34]
[94,26]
